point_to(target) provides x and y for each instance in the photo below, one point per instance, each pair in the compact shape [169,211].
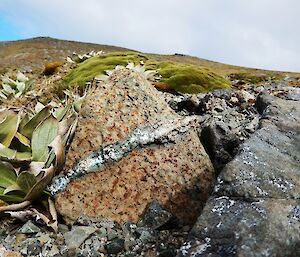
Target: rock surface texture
[255,208]
[253,211]
[146,152]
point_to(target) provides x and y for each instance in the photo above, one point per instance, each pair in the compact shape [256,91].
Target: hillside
[32,54]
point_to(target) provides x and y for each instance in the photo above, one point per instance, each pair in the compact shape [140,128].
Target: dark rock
[255,208]
[155,216]
[228,118]
[34,248]
[129,227]
[230,227]
[115,246]
[146,234]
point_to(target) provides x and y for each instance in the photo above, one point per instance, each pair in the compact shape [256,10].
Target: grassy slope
[34,53]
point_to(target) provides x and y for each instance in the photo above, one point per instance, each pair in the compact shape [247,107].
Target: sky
[253,33]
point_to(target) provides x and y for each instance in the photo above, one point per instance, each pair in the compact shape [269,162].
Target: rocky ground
[241,179]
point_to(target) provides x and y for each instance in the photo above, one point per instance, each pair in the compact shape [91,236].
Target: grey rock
[77,236]
[51,251]
[101,232]
[228,119]
[268,165]
[147,236]
[255,207]
[231,227]
[129,227]
[29,228]
[63,228]
[111,234]
[129,242]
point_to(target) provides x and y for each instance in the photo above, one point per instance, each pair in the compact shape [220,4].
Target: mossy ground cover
[188,78]
[99,64]
[185,78]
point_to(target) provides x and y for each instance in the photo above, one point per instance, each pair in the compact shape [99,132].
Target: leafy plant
[32,150]
[78,58]
[151,75]
[14,88]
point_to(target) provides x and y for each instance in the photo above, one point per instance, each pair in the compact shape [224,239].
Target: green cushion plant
[184,78]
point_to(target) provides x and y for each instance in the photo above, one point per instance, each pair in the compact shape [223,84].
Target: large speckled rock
[147,152]
[113,110]
[256,207]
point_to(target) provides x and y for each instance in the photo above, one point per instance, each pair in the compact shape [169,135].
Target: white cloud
[257,33]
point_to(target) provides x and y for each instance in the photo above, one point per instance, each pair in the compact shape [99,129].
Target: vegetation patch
[188,78]
[51,67]
[94,66]
[254,78]
[185,78]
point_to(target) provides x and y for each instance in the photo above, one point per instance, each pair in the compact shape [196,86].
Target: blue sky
[8,31]
[256,33]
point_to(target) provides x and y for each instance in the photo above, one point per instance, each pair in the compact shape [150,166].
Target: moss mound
[185,78]
[188,78]
[94,66]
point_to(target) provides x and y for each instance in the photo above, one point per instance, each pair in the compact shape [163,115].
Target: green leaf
[41,184]
[19,146]
[8,126]
[7,80]
[11,188]
[14,196]
[30,126]
[8,175]
[7,154]
[2,95]
[21,77]
[38,107]
[42,136]
[78,103]
[21,87]
[61,112]
[24,140]
[26,181]
[8,89]
[23,122]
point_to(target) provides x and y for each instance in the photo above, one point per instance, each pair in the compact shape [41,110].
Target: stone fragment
[115,246]
[154,216]
[29,228]
[7,253]
[77,236]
